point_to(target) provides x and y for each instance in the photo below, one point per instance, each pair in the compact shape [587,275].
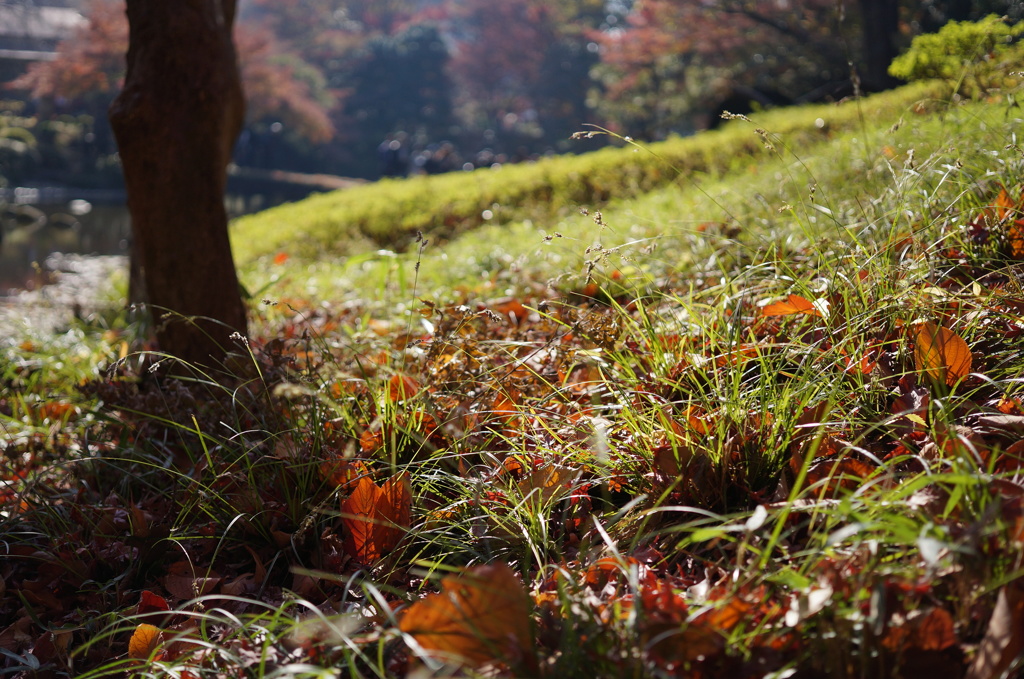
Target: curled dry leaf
[151,603]
[479,617]
[941,354]
[376,517]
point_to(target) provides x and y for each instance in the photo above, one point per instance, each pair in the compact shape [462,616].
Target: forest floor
[765,422]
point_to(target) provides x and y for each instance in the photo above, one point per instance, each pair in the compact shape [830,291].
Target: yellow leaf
[941,354]
[479,617]
[144,641]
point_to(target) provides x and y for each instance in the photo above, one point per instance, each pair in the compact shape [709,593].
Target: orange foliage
[376,518]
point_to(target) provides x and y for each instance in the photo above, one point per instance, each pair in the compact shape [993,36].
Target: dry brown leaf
[1004,639]
[1015,238]
[479,617]
[941,354]
[402,388]
[184,587]
[547,483]
[845,473]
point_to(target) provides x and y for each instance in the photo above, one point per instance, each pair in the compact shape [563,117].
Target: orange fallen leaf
[401,388]
[1015,238]
[479,617]
[941,354]
[145,640]
[376,517]
[794,304]
[1004,205]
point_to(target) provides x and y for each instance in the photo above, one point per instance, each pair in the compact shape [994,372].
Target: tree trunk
[176,121]
[880,29]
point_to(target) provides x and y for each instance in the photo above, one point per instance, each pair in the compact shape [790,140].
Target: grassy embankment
[761,413]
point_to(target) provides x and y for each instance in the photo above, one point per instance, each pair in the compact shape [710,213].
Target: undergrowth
[770,426]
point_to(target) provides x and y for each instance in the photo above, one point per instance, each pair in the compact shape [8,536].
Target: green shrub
[961,52]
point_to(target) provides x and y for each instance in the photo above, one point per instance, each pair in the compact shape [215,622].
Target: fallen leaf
[401,388]
[941,354]
[151,603]
[845,473]
[184,587]
[479,617]
[1004,639]
[1003,205]
[548,483]
[930,630]
[794,304]
[376,517]
[144,641]
[1015,238]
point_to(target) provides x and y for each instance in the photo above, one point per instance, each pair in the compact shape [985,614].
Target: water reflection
[29,233]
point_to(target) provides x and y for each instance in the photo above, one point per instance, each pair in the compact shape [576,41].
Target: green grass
[685,481]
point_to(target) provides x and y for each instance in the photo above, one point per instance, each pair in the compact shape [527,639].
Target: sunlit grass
[684,479]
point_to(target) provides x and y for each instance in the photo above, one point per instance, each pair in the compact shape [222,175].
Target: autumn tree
[176,121]
[522,66]
[672,64]
[90,67]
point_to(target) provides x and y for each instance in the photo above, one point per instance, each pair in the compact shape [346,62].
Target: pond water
[32,230]
[38,222]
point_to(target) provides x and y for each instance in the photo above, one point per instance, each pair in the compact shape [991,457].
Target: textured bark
[176,121]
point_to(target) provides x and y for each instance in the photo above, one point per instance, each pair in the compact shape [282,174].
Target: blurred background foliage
[364,89]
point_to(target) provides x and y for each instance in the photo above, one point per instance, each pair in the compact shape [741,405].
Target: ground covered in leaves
[804,464]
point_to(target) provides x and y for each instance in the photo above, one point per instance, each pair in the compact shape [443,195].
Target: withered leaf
[479,617]
[151,603]
[402,388]
[931,630]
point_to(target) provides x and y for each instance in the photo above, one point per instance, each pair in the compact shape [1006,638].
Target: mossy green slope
[390,213]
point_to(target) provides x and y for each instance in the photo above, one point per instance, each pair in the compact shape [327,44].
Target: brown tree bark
[176,121]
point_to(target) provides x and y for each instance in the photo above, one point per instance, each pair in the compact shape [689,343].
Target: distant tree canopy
[328,81]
